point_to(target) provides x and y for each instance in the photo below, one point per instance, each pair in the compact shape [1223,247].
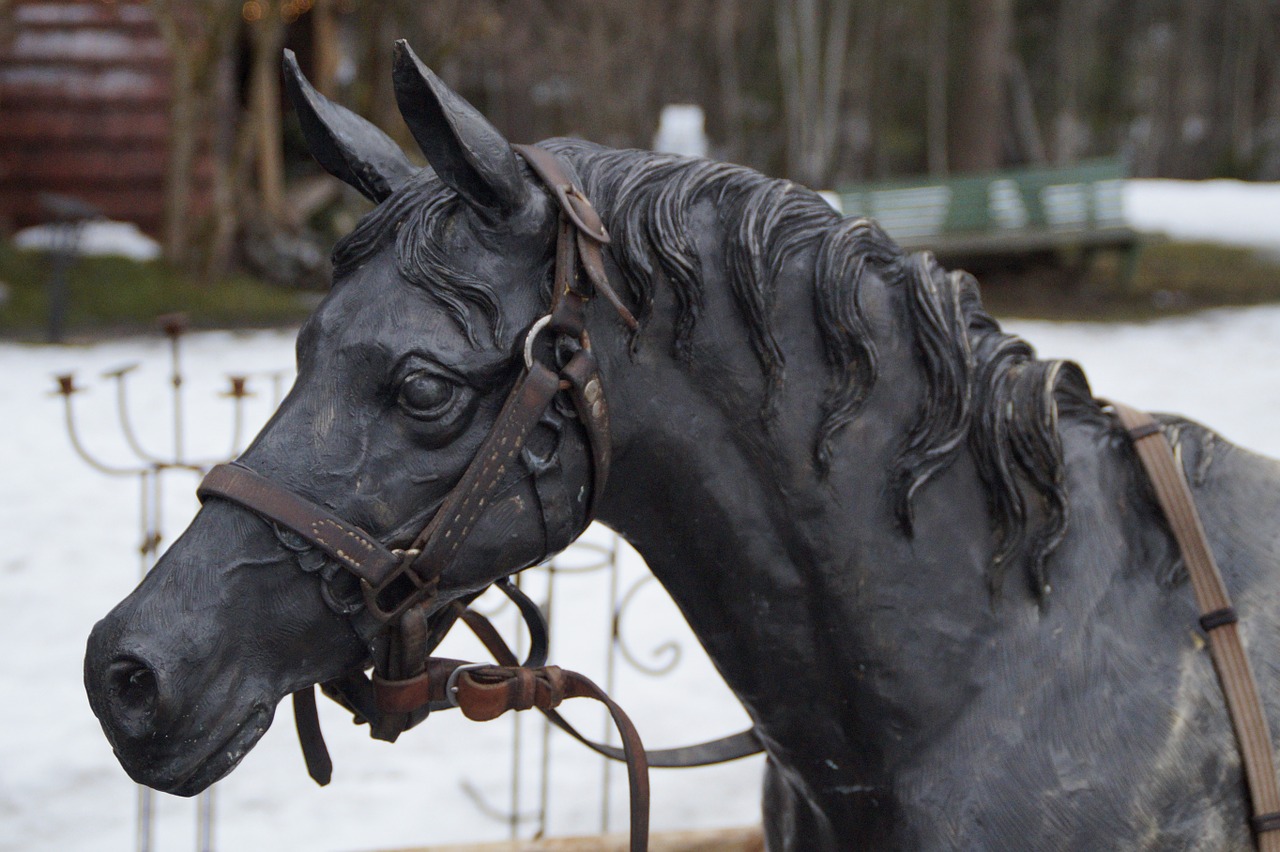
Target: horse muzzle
[162,741]
[184,674]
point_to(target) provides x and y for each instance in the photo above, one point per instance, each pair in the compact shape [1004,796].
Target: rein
[398,587]
[1218,620]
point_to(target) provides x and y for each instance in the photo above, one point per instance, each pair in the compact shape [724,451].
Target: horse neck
[794,580]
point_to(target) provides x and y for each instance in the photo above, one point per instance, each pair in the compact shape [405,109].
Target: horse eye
[424,394]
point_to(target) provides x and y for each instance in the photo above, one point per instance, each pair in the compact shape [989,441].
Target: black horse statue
[926,562]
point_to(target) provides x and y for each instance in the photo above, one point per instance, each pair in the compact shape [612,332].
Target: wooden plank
[133,205]
[140,62]
[22,83]
[22,97]
[31,126]
[122,164]
[35,15]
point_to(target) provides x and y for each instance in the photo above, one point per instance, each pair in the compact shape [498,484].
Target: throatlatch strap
[1218,619]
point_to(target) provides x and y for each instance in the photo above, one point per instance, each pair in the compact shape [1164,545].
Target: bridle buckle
[451,685]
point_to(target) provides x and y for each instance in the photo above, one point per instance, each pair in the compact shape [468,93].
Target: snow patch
[681,131]
[96,238]
[1229,212]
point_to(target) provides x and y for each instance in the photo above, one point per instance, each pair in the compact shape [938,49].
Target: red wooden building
[84,109]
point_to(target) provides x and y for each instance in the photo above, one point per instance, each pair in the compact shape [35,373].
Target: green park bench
[1059,215]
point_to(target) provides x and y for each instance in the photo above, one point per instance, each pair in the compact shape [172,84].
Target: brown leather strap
[573,204]
[568,301]
[310,737]
[438,544]
[587,391]
[721,750]
[484,692]
[1218,617]
[343,542]
[577,210]
[593,263]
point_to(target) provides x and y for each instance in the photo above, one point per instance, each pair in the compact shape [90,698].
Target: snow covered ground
[72,552]
[1231,212]
[74,535]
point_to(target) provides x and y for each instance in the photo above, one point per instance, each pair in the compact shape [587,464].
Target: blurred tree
[821,91]
[6,23]
[938,19]
[812,38]
[326,47]
[198,34]
[977,119]
[266,40]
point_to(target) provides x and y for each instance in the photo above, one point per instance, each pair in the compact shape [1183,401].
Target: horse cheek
[507,538]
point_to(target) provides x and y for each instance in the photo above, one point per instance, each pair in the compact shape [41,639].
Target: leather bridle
[399,585]
[394,580]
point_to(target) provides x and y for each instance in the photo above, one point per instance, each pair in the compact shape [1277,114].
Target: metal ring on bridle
[532,338]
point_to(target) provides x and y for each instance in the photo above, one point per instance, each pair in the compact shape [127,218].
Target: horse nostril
[134,695]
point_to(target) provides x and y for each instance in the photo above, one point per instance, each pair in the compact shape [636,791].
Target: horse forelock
[413,222]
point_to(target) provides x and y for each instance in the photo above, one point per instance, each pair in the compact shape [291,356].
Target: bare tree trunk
[978,119]
[1026,128]
[226,213]
[6,23]
[266,38]
[936,80]
[727,15]
[1073,52]
[197,36]
[1244,80]
[325,48]
[184,110]
[812,70]
[1190,126]
[183,133]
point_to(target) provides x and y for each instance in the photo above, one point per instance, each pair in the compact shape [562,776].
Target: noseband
[399,585]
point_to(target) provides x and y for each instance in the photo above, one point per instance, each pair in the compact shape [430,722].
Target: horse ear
[348,147]
[467,152]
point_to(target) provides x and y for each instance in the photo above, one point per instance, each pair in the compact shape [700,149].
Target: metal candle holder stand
[151,468]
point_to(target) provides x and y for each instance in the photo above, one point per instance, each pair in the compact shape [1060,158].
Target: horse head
[403,372]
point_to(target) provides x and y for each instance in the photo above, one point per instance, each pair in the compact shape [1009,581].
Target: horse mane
[985,389]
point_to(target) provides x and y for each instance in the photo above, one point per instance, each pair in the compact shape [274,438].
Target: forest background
[825,92]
